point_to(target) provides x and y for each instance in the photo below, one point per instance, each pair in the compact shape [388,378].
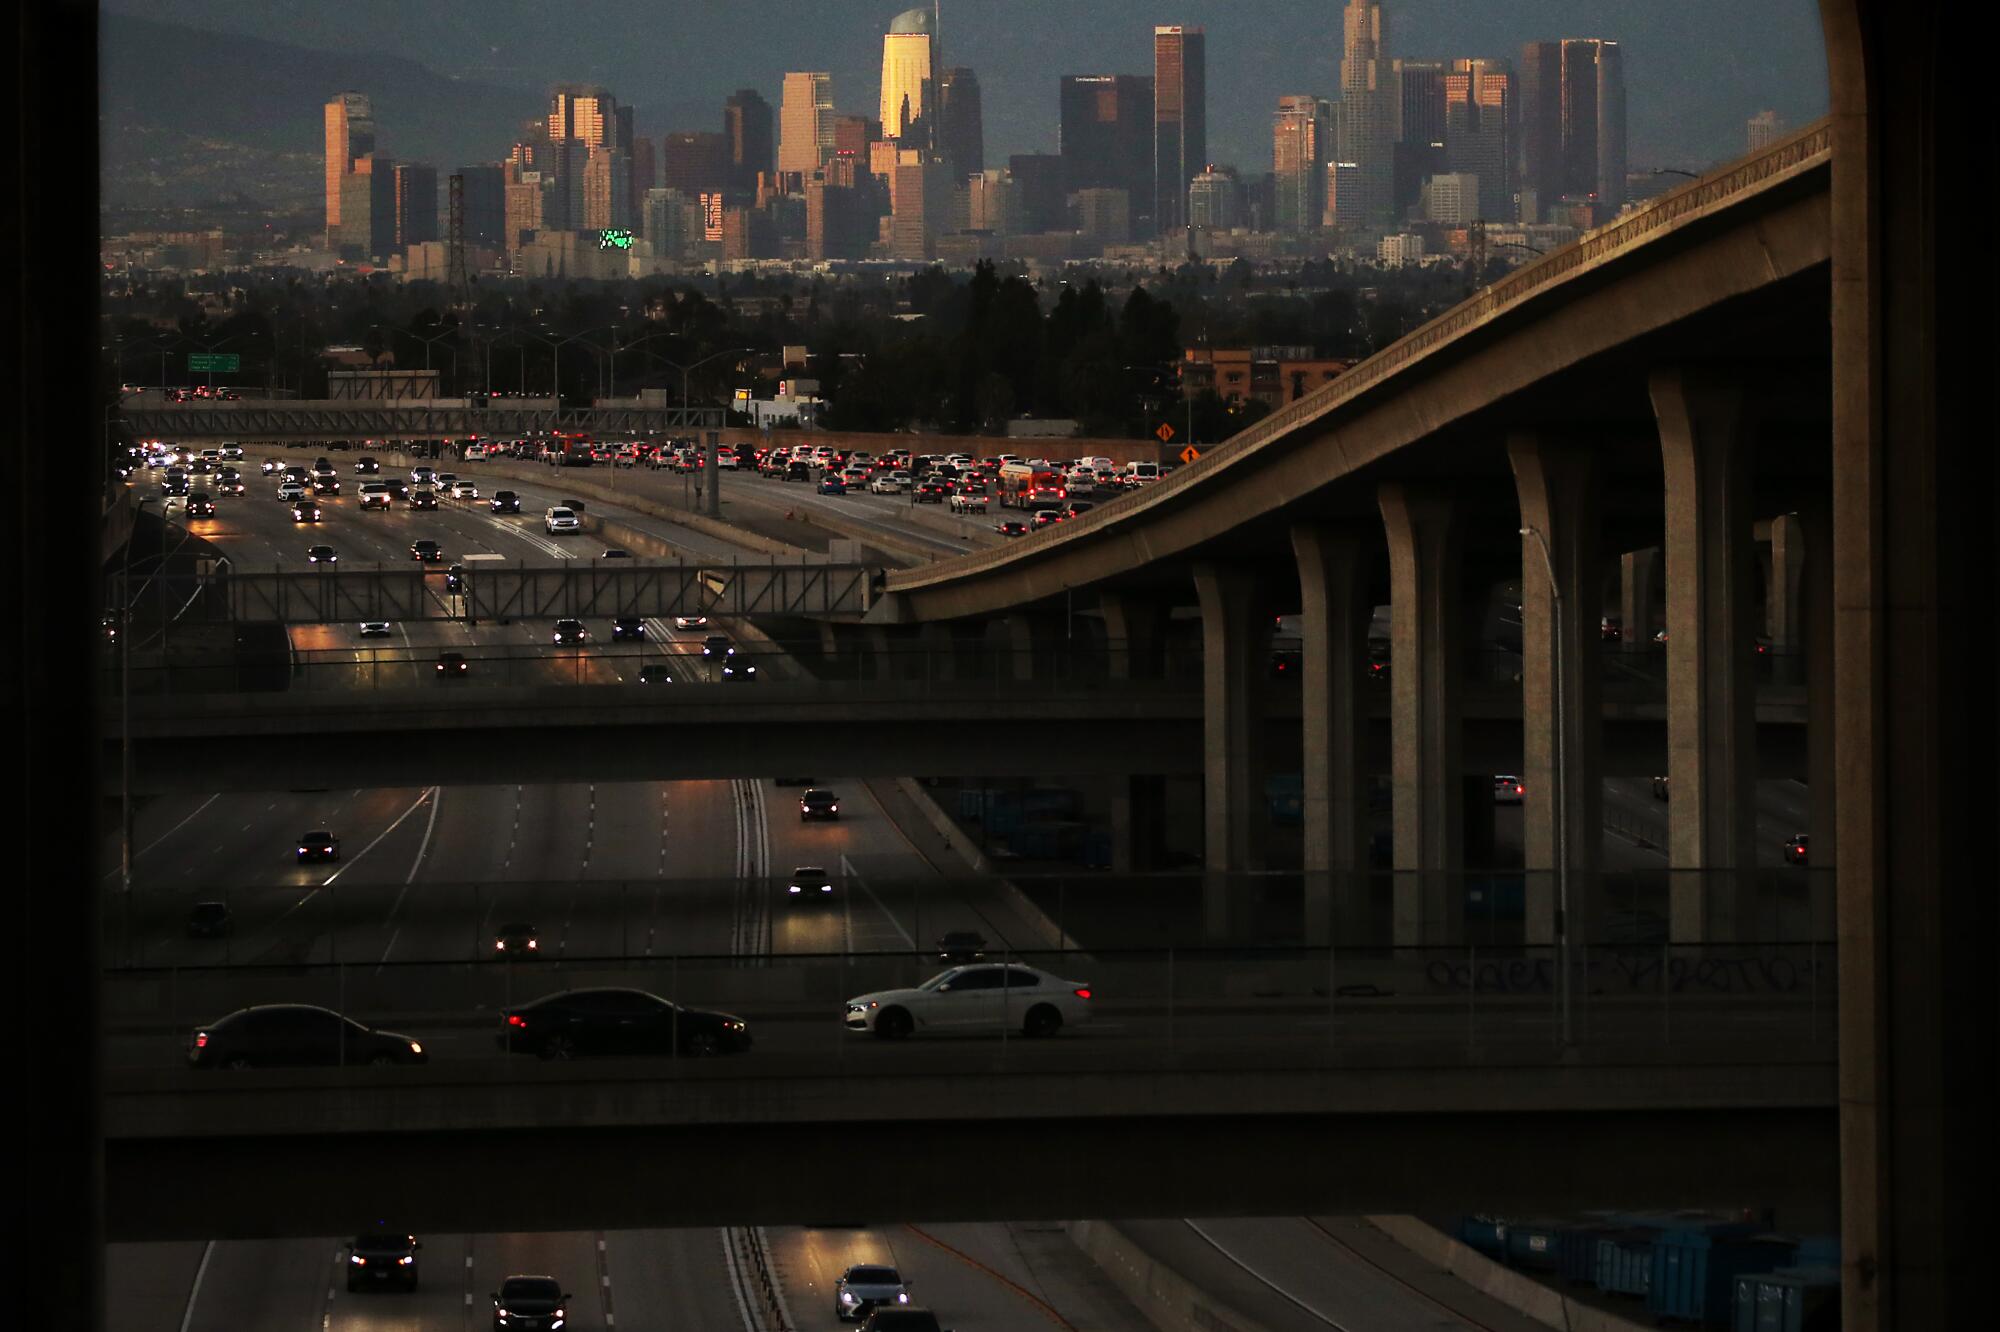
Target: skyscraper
[350,133]
[607,189]
[805,122]
[368,207]
[1368,113]
[1301,143]
[746,124]
[695,160]
[1766,127]
[1418,151]
[485,204]
[1180,120]
[1479,131]
[1572,123]
[961,132]
[415,192]
[1106,135]
[583,111]
[909,65]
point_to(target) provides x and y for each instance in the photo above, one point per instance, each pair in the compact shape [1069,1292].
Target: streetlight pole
[1559,635]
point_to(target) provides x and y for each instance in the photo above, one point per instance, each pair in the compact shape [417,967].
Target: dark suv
[382,1258]
[318,846]
[628,626]
[273,1035]
[819,803]
[505,501]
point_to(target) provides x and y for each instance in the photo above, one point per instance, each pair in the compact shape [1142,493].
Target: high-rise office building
[485,193]
[695,160]
[1103,215]
[645,170]
[909,71]
[1301,143]
[1213,201]
[1106,136]
[923,196]
[368,207]
[1572,124]
[1479,131]
[1343,194]
[350,134]
[805,122]
[1040,191]
[415,191]
[961,133]
[607,189]
[1451,198]
[583,111]
[562,163]
[990,205]
[748,126]
[527,205]
[838,224]
[853,134]
[1763,129]
[1419,86]
[1369,112]
[1180,120]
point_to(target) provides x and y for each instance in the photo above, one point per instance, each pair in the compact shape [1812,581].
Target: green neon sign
[616,239]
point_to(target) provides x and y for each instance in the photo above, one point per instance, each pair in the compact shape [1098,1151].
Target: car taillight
[1083,992]
[516,1020]
[201,1040]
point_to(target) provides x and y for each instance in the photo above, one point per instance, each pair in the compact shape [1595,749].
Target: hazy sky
[1695,69]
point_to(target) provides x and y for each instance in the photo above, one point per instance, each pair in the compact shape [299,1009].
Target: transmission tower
[456,281]
[1476,253]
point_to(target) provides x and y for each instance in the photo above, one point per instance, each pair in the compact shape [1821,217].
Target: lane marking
[194,1291]
[1041,1305]
[847,868]
[430,826]
[1402,1280]
[170,832]
[1303,1306]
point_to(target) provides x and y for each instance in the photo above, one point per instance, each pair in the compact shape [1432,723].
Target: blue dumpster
[1817,1251]
[1625,1262]
[1531,1245]
[1485,1233]
[1576,1250]
[1695,1271]
[1791,1299]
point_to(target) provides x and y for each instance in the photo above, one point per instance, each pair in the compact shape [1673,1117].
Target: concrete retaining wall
[1170,1301]
[1542,1303]
[979,446]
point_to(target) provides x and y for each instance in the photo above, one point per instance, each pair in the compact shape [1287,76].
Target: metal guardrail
[1810,147]
[751,1261]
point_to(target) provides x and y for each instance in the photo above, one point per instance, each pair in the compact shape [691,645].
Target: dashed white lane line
[416,863]
[194,1291]
[171,831]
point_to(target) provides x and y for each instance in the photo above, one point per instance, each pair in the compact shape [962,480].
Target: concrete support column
[1815,525]
[1232,619]
[1561,679]
[1333,630]
[1031,645]
[1424,690]
[1783,620]
[878,650]
[1638,571]
[1138,822]
[1135,631]
[1711,652]
[940,649]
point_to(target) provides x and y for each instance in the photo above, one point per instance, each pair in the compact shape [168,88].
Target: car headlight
[357,1260]
[849,1297]
[794,888]
[902,1297]
[533,944]
[416,1047]
[405,1260]
[500,944]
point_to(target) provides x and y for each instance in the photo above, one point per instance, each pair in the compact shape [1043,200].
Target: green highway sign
[225,362]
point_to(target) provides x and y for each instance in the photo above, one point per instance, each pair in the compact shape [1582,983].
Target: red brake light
[516,1020]
[201,1040]
[1083,992]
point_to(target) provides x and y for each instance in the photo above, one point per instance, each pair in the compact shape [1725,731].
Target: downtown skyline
[1684,110]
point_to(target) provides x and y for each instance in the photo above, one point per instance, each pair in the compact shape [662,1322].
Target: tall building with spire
[1180,121]
[1368,112]
[350,134]
[909,78]
[805,122]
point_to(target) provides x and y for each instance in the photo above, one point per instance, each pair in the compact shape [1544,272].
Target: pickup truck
[964,503]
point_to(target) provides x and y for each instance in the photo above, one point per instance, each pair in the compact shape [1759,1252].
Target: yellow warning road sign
[1190,453]
[1165,432]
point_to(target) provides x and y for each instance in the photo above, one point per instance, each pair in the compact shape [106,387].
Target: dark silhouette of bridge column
[1333,630]
[940,649]
[1135,632]
[1638,571]
[1425,675]
[1815,521]
[1561,677]
[1783,624]
[1232,616]
[1138,822]
[1705,445]
[1032,641]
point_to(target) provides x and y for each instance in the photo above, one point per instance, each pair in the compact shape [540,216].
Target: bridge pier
[1425,675]
[1638,598]
[1815,520]
[1135,633]
[1232,618]
[1705,444]
[1783,621]
[1333,630]
[1561,677]
[1138,822]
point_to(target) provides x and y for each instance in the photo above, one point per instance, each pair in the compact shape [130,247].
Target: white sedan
[464,490]
[984,997]
[885,485]
[291,490]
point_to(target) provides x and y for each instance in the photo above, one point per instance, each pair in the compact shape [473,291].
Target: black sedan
[628,626]
[367,467]
[517,938]
[818,803]
[1796,849]
[279,1035]
[1013,527]
[199,505]
[618,1022]
[426,552]
[504,501]
[382,1258]
[319,845]
[957,946]
[305,511]
[451,665]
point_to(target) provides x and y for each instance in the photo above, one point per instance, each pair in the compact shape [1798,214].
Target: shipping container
[1695,1271]
[1531,1245]
[1792,1299]
[1576,1250]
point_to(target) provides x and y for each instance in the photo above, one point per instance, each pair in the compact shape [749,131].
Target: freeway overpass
[277,420]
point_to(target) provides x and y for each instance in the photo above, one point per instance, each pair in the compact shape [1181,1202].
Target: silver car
[864,1286]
